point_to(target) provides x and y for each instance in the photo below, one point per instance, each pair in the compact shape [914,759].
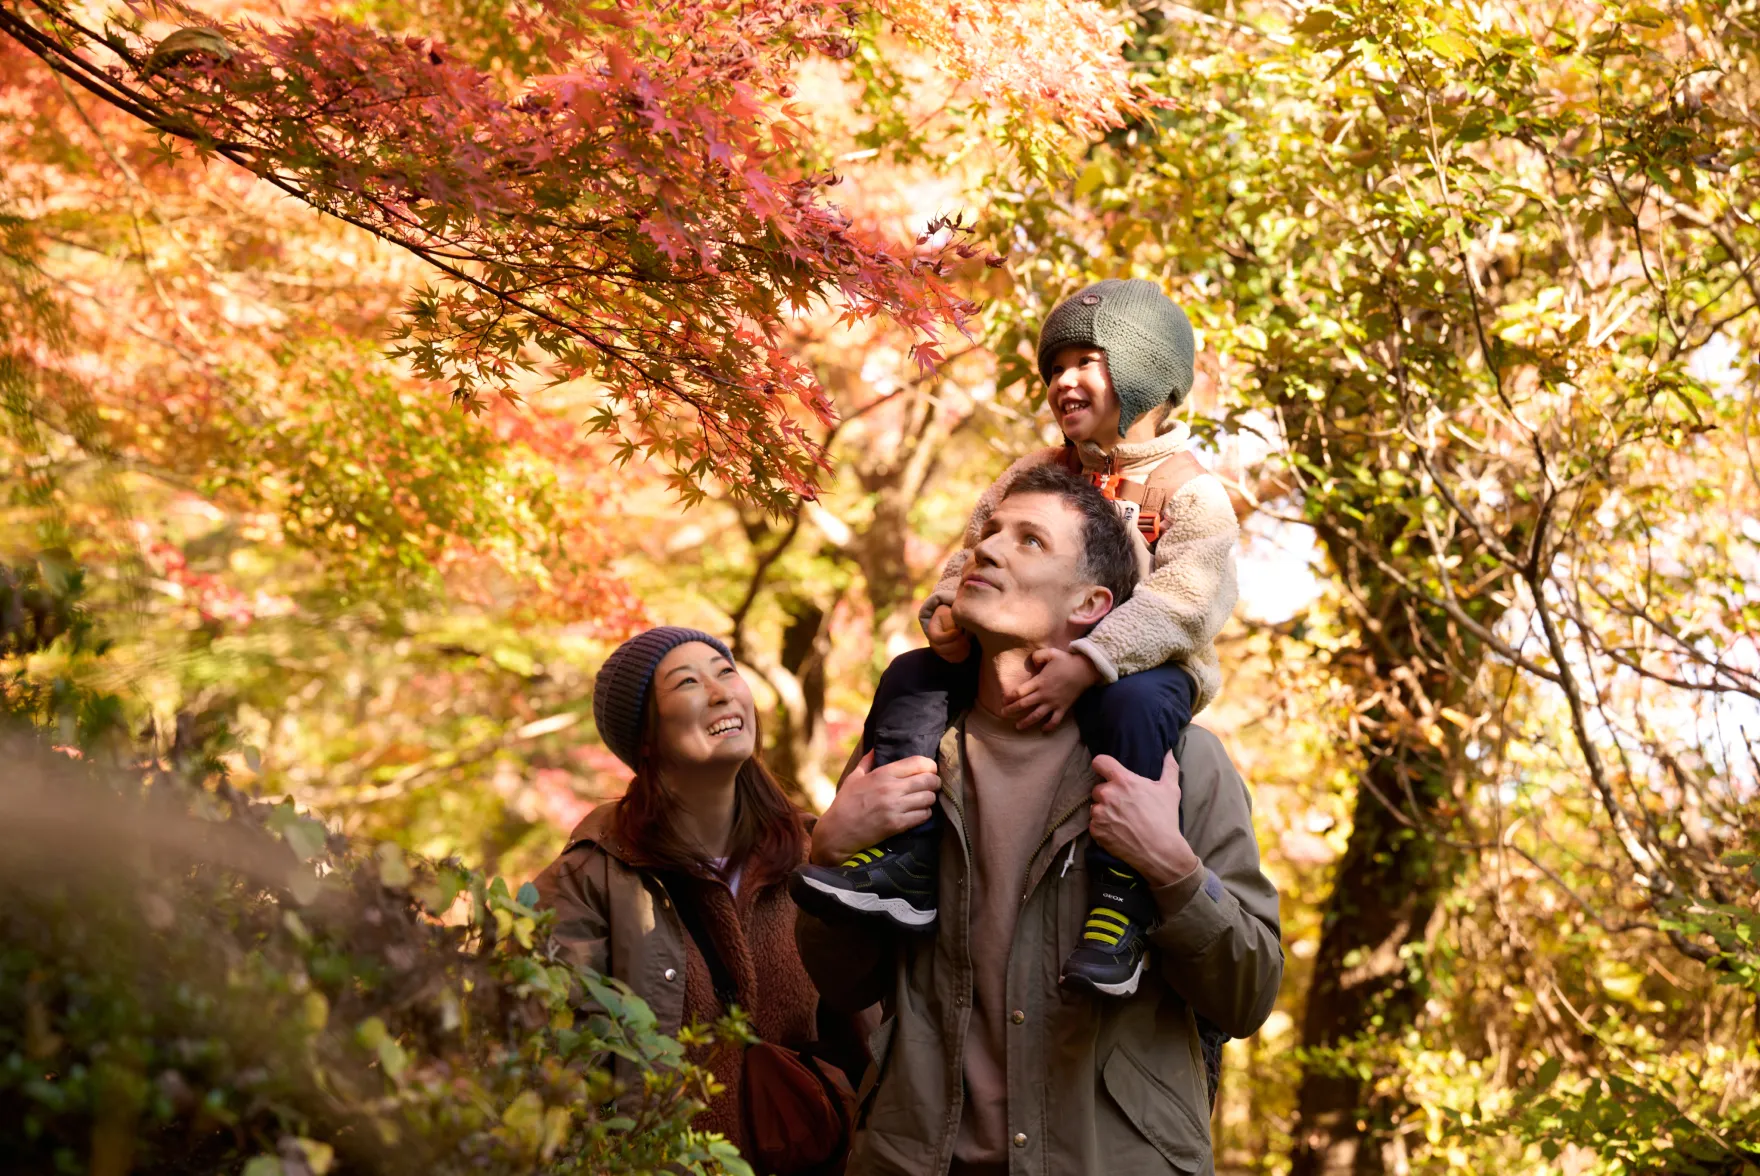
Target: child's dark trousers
[1136,720]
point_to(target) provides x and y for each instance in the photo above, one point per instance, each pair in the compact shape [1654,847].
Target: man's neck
[1000,674]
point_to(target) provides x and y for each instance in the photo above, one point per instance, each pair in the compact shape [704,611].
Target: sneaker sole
[1122,988]
[896,909]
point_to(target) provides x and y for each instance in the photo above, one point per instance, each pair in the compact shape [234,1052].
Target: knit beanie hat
[620,693]
[1146,337]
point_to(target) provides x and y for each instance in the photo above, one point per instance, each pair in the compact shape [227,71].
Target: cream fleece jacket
[1181,605]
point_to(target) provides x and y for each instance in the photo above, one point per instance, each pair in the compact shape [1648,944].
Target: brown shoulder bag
[799,1107]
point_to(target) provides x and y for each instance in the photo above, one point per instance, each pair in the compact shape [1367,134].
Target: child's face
[1081,394]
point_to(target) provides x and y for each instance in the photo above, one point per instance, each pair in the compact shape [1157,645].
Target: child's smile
[1081,394]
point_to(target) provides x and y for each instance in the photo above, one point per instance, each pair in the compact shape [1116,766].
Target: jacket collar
[1137,458]
[1074,783]
[599,828]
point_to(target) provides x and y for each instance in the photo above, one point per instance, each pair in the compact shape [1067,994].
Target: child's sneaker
[895,881]
[1110,958]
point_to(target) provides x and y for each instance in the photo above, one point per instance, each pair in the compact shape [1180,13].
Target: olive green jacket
[1112,1085]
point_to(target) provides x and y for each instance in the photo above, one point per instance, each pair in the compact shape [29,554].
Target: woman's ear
[1093,605]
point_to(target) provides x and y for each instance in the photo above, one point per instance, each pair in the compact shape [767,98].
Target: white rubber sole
[896,909]
[1123,987]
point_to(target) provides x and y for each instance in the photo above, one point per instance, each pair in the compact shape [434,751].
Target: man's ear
[1093,604]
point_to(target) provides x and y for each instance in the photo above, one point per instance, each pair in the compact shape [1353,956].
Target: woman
[695,854]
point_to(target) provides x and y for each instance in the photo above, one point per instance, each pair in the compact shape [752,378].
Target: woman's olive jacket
[1095,1085]
[622,920]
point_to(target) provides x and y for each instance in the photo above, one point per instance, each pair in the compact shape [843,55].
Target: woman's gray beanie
[620,693]
[1146,337]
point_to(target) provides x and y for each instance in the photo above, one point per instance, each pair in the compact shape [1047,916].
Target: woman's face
[703,711]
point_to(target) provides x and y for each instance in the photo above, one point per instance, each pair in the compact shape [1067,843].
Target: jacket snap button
[1020,1140]
[670,974]
[1017,1017]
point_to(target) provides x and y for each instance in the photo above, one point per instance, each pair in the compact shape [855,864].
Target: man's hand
[1047,696]
[873,804]
[946,638]
[1137,819]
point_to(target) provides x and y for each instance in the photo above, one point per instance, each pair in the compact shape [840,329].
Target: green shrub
[192,981]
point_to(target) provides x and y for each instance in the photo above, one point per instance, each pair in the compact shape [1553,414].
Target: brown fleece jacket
[779,999]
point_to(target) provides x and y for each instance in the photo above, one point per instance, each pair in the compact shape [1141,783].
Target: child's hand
[946,638]
[1047,696]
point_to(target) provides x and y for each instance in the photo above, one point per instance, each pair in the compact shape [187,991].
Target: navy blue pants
[1136,720]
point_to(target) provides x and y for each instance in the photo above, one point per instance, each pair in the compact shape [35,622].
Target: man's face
[1024,584]
[1081,394]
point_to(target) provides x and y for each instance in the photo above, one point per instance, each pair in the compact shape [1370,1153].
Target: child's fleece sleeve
[1177,612]
[949,582]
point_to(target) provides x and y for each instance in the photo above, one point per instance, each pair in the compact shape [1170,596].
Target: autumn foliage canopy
[618,194]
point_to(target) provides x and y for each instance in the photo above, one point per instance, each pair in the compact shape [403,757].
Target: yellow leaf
[319,1157]
[1091,178]
[1645,16]
[524,1118]
[558,1124]
[1618,980]
[1450,45]
[317,1010]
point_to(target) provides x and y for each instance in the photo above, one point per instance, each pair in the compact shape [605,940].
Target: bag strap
[1175,472]
[726,990]
[1153,494]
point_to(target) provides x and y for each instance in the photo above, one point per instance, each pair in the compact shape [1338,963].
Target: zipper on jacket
[1026,883]
[953,800]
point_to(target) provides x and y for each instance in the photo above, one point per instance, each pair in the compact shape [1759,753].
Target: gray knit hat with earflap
[620,693]
[1146,337]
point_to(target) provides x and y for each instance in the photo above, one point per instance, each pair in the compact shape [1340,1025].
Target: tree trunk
[1370,978]
[797,747]
[1387,888]
[886,574]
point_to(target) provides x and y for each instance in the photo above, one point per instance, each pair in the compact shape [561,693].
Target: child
[1117,360]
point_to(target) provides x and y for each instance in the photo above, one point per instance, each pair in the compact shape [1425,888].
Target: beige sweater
[1177,611]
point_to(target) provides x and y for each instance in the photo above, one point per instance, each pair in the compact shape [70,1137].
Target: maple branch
[640,240]
[756,583]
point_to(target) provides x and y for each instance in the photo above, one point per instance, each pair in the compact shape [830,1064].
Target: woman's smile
[703,710]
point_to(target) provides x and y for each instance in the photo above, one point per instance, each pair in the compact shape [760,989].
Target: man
[984,1064]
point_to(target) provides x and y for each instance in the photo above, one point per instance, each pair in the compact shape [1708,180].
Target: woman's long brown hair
[768,838]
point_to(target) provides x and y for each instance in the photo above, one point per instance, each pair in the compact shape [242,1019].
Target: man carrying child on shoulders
[1057,939]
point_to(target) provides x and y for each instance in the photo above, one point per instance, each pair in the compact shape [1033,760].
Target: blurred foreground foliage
[192,980]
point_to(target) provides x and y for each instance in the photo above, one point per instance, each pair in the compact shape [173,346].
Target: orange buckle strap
[1113,487]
